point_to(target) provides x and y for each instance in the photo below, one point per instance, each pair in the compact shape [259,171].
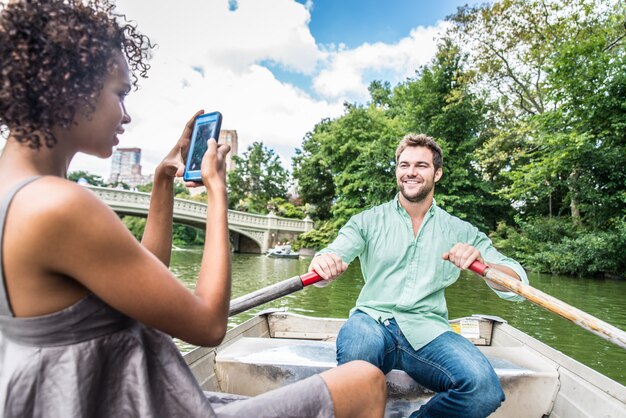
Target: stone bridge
[248,232]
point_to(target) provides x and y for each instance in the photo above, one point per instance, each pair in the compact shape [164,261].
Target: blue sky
[356,22]
[274,68]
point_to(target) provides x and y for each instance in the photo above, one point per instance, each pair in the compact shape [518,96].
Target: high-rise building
[126,167]
[229,137]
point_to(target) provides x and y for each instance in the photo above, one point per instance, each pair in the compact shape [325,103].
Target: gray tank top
[89,360]
[5,306]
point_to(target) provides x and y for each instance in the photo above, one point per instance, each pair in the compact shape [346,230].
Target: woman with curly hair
[87,312]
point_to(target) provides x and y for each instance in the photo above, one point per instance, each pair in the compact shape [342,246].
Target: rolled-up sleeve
[350,241]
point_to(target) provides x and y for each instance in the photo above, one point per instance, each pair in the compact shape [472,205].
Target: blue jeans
[465,382]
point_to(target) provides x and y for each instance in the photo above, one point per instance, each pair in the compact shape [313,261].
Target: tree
[348,163]
[580,144]
[312,171]
[513,48]
[92,179]
[258,177]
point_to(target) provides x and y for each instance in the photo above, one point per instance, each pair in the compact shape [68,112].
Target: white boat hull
[278,348]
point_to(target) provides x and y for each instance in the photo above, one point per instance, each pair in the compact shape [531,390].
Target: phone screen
[207,126]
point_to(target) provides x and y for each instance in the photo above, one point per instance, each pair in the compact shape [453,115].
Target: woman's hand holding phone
[214,166]
[206,126]
[209,168]
[173,165]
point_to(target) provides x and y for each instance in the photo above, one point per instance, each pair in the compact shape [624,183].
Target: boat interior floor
[530,381]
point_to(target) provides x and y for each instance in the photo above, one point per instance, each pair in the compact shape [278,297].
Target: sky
[273,68]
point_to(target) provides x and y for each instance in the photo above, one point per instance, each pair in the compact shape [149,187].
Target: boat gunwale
[562,360]
[263,323]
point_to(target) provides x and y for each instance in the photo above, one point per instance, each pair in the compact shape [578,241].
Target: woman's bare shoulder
[53,192]
[53,202]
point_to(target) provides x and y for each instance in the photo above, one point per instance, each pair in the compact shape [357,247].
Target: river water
[604,299]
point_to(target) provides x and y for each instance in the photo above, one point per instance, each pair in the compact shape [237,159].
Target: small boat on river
[282,254]
[277,348]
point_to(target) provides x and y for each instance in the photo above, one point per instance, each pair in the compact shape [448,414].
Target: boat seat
[251,366]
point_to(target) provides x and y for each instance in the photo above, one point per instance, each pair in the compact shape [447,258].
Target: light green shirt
[405,276]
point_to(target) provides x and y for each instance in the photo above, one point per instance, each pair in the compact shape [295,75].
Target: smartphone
[206,126]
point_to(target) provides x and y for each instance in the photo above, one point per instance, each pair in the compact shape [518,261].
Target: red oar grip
[310,278]
[478,267]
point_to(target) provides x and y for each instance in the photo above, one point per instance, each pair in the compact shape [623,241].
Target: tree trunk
[547,183]
[573,179]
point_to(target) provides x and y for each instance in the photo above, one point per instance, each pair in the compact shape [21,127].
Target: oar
[580,318]
[272,292]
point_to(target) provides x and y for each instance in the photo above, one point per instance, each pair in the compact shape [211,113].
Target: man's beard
[421,195]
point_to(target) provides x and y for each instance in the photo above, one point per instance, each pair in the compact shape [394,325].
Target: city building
[126,167]
[229,137]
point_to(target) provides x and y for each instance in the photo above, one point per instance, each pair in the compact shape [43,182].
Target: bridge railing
[191,212]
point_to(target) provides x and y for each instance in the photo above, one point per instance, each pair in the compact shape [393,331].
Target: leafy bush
[317,238]
[285,209]
[556,246]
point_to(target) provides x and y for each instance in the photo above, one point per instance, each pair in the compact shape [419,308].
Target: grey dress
[89,360]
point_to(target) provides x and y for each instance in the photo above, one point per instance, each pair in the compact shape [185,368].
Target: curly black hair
[54,57]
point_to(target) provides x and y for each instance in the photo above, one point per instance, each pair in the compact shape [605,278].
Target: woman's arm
[72,236]
[216,256]
[157,237]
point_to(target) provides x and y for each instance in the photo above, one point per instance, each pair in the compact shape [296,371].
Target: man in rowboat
[411,250]
[87,313]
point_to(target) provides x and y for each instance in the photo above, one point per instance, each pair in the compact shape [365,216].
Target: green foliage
[179,189]
[360,151]
[285,209]
[312,170]
[181,234]
[532,122]
[347,164]
[318,238]
[187,235]
[145,188]
[588,254]
[258,177]
[92,179]
[554,75]
[557,246]
[135,225]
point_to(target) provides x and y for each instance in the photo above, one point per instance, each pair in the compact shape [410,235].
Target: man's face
[415,173]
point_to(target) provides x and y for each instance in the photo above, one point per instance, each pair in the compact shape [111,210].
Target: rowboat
[281,254]
[276,348]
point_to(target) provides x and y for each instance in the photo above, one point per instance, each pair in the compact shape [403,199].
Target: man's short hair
[421,140]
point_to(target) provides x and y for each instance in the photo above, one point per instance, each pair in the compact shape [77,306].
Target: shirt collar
[399,207]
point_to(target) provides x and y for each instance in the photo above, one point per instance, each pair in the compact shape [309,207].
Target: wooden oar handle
[554,305]
[272,292]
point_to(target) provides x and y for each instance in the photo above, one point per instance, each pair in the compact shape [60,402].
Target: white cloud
[345,74]
[227,48]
